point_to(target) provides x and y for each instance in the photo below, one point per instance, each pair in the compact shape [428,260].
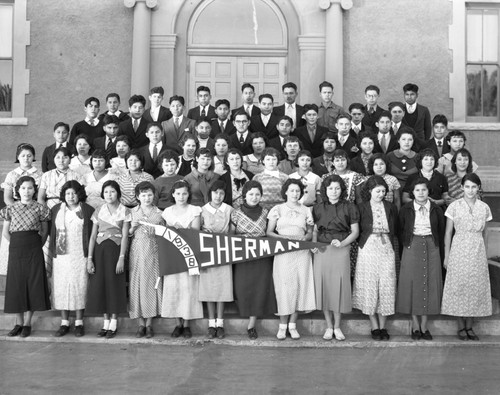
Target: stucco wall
[78,49]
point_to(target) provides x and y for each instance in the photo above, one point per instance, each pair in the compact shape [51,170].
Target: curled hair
[250,185]
[186,137]
[24,179]
[292,181]
[138,154]
[123,138]
[367,135]
[463,152]
[232,151]
[270,151]
[259,135]
[64,151]
[418,181]
[422,154]
[113,184]
[218,184]
[340,153]
[327,182]
[178,185]
[77,187]
[376,181]
[472,177]
[167,155]
[24,147]
[144,186]
[204,152]
[372,160]
[98,154]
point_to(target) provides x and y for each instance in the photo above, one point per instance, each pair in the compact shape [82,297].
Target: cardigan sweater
[366,220]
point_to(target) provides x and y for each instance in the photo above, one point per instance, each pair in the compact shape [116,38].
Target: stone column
[139,80]
[334,51]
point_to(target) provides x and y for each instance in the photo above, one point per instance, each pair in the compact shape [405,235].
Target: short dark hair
[250,185]
[173,98]
[241,112]
[232,151]
[221,136]
[407,131]
[372,88]
[62,149]
[178,185]
[203,119]
[375,181]
[455,133]
[472,177]
[309,107]
[418,181]
[136,99]
[113,184]
[367,135]
[98,154]
[204,152]
[462,152]
[152,124]
[84,137]
[123,138]
[325,84]
[220,102]
[77,187]
[410,88]
[189,136]
[24,146]
[138,154]
[266,96]
[109,119]
[383,114]
[340,153]
[289,85]
[202,88]
[327,182]
[247,85]
[291,139]
[259,135]
[157,89]
[24,179]
[440,118]
[91,99]
[292,181]
[397,104]
[167,155]
[357,106]
[270,151]
[113,95]
[422,154]
[372,160]
[144,186]
[343,115]
[218,184]
[61,124]
[285,118]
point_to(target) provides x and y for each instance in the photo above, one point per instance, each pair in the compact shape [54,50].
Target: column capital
[311,43]
[345,4]
[132,3]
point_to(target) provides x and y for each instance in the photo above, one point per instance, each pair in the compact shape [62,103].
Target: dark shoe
[63,330]
[110,334]
[149,332]
[102,332]
[16,331]
[177,331]
[384,335]
[470,334]
[79,331]
[376,334]
[426,335]
[462,334]
[252,333]
[187,332]
[26,331]
[141,331]
[416,335]
[212,332]
[220,332]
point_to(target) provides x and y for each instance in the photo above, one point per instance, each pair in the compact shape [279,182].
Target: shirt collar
[95,120]
[20,171]
[417,206]
[273,173]
[212,210]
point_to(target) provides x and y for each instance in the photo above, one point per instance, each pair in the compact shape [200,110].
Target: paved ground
[75,368]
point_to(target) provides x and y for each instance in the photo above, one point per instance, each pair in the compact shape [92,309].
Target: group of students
[374,200]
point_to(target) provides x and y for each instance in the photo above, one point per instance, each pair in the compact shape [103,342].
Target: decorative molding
[167,41]
[475,126]
[308,43]
[346,5]
[13,121]
[230,51]
[132,3]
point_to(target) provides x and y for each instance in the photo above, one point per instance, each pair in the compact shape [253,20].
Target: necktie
[356,129]
[91,122]
[395,128]
[289,111]
[109,149]
[440,147]
[239,182]
[312,134]
[203,112]
[242,140]
[155,152]
[136,125]
[383,144]
[176,122]
[371,110]
[247,110]
[265,120]
[222,129]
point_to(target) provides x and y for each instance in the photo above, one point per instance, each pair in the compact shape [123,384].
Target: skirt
[332,279]
[26,286]
[420,282]
[107,292]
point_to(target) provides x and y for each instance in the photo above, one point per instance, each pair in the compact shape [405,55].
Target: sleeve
[5,213]
[317,184]
[45,180]
[45,213]
[95,215]
[444,181]
[234,217]
[127,215]
[9,181]
[274,213]
[409,182]
[395,183]
[309,217]
[353,213]
[358,179]
[488,215]
[450,211]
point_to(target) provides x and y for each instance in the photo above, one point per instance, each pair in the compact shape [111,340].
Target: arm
[349,239]
[120,265]
[397,199]
[447,241]
[357,192]
[8,196]
[90,260]
[271,228]
[406,197]
[44,231]
[5,230]
[42,195]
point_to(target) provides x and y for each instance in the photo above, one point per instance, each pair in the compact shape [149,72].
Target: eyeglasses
[241,122]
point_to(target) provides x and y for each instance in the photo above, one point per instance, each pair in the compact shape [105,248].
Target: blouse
[110,224]
[127,187]
[334,220]
[252,164]
[218,166]
[53,180]
[216,220]
[271,182]
[16,174]
[401,166]
[25,217]
[93,188]
[351,180]
[312,185]
[200,186]
[82,168]
[422,226]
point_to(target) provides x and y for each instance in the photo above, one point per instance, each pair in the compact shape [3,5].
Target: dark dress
[253,280]
[438,184]
[26,287]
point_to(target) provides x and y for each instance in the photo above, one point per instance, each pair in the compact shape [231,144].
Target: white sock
[211,323]
[292,325]
[64,322]
[78,322]
[113,324]
[282,326]
[220,322]
[105,325]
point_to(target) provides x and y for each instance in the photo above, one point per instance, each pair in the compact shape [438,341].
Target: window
[482,63]
[6,58]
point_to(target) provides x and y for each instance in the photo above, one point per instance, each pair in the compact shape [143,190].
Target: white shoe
[328,334]
[281,335]
[338,334]
[292,328]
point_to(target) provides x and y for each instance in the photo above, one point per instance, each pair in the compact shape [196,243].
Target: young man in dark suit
[61,134]
[222,124]
[324,164]
[247,94]
[113,104]
[397,110]
[416,116]
[156,112]
[204,109]
[372,109]
[107,143]
[135,127]
[357,113]
[290,107]
[90,125]
[241,139]
[437,142]
[153,150]
[386,141]
[346,142]
[284,128]
[178,126]
[312,134]
[266,121]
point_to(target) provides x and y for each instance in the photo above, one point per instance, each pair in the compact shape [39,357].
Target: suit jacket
[314,147]
[100,143]
[276,144]
[82,127]
[173,136]
[369,120]
[150,166]
[210,146]
[245,148]
[279,111]
[48,156]
[423,125]
[255,111]
[163,115]
[393,144]
[194,113]
[363,128]
[349,145]
[318,166]
[136,139]
[228,130]
[226,177]
[357,165]
[256,125]
[431,144]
